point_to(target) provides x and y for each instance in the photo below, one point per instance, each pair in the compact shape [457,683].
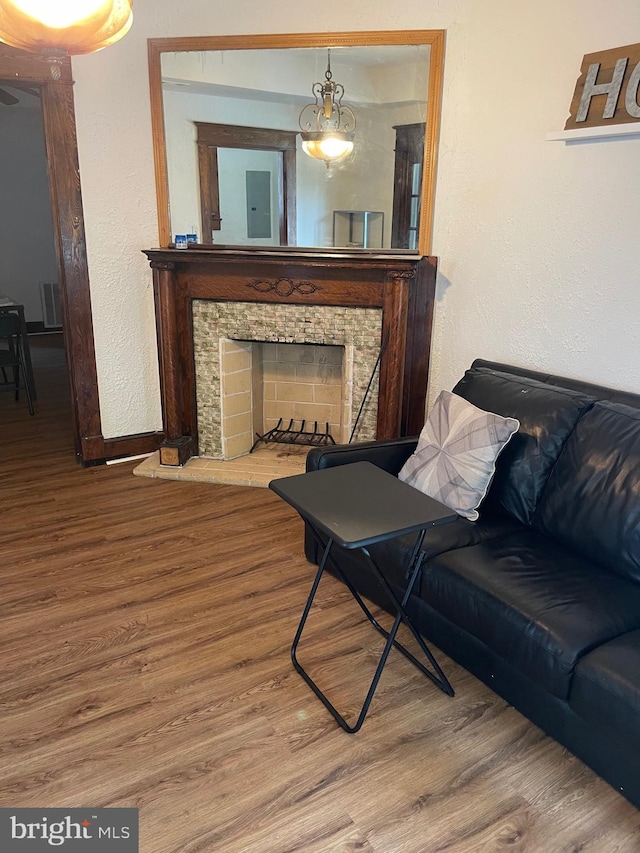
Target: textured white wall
[537,240]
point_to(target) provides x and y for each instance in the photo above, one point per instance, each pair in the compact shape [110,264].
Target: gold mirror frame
[434,38]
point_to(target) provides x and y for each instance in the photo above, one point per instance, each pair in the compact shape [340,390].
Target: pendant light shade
[327,125]
[327,145]
[64,26]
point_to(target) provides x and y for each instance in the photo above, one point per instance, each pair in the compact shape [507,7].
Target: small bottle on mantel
[192,237]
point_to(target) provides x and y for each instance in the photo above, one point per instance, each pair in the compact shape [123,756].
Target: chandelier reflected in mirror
[60,27]
[327,125]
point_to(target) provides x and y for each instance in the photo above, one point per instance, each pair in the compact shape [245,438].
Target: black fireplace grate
[291,435]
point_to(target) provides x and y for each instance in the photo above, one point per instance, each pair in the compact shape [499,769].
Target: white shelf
[630,129]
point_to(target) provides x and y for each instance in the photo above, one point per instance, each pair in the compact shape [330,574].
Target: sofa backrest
[592,499]
[547,415]
[598,392]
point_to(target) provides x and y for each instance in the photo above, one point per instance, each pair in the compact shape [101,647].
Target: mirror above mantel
[229,160]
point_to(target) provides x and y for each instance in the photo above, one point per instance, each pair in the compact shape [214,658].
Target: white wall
[233,165]
[537,240]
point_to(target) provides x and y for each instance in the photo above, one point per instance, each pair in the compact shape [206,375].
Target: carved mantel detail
[407,275]
[284,286]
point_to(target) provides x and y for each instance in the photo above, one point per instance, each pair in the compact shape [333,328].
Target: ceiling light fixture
[63,27]
[327,125]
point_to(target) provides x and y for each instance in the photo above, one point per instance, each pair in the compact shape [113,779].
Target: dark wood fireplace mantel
[402,285]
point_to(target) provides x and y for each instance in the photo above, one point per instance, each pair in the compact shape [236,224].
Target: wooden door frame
[56,84]
[212,135]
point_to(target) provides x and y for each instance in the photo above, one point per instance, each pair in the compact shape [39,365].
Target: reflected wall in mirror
[228,153]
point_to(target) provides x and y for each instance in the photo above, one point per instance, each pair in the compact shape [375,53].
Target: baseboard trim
[132,445]
[37,327]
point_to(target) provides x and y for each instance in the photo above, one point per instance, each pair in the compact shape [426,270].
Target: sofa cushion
[533,602]
[547,415]
[606,686]
[456,454]
[592,499]
[393,555]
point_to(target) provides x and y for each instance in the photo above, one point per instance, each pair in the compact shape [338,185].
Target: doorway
[267,213]
[29,276]
[54,84]
[29,272]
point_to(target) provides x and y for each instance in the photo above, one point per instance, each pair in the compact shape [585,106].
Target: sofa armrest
[390,455]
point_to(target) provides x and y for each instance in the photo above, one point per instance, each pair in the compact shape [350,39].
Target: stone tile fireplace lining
[359,330]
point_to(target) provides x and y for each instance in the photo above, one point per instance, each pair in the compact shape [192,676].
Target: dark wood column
[58,108]
[401,285]
[176,447]
[394,341]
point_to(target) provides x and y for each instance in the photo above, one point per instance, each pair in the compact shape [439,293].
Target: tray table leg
[413,572]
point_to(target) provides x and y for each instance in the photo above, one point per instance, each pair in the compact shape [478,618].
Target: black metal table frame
[412,573]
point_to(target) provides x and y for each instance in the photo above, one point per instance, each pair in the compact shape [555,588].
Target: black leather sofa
[539,598]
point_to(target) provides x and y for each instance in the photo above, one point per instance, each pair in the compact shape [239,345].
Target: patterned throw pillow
[456,454]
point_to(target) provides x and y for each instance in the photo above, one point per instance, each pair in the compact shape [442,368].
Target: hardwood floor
[144,660]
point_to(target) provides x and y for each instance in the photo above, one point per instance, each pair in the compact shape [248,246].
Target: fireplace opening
[296,393]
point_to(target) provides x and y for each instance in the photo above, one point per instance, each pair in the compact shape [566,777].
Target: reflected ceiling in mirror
[230,165]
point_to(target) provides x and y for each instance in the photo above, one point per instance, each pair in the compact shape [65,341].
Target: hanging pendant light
[327,125]
[59,27]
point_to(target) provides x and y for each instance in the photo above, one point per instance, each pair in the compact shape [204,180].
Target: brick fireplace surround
[200,285]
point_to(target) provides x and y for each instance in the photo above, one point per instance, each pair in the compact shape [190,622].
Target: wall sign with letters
[608,89]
